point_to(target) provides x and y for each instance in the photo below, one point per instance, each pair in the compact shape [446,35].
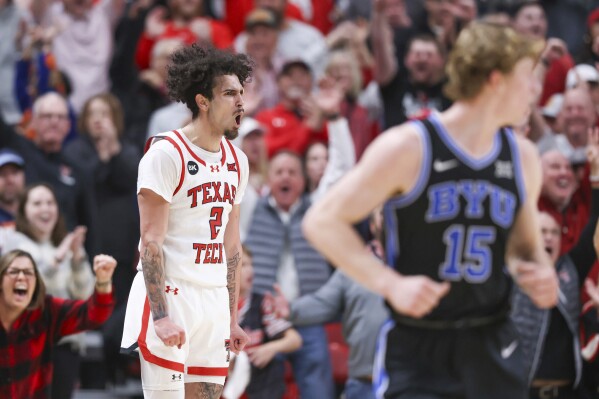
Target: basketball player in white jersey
[181,314]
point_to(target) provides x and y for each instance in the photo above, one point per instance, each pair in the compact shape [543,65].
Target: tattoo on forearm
[232,264]
[203,390]
[152,262]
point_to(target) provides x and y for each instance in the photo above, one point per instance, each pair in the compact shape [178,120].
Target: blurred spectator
[445,18]
[112,164]
[236,11]
[343,69]
[529,19]
[566,20]
[281,254]
[295,121]
[63,265]
[11,22]
[577,116]
[32,322]
[551,110]
[589,54]
[323,165]
[46,162]
[262,29]
[167,118]
[251,142]
[37,73]
[587,77]
[362,315]
[140,93]
[297,40]
[12,185]
[557,197]
[83,42]
[269,336]
[185,20]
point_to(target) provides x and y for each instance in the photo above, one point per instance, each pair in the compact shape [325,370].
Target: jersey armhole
[149,143]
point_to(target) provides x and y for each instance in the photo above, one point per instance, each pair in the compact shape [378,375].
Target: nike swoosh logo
[442,166]
[508,350]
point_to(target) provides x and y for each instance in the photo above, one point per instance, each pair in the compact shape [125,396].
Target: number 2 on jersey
[468,255]
[216,221]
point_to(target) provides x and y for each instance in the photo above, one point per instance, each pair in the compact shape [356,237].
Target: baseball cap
[248,125]
[10,157]
[293,63]
[553,106]
[585,72]
[593,17]
[261,17]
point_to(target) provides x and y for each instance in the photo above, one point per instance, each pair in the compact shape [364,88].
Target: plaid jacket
[26,349]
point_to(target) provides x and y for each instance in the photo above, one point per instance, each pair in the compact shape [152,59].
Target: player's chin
[231,134]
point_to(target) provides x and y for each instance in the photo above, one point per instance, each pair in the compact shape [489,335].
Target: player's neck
[202,134]
[472,124]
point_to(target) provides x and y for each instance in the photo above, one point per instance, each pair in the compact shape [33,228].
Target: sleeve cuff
[104,299]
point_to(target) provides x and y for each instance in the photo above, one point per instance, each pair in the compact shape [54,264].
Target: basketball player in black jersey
[460,217]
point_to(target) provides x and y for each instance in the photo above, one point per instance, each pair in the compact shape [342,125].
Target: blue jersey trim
[474,163]
[380,377]
[409,197]
[391,234]
[516,161]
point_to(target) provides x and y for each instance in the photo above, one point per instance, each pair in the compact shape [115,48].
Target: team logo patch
[232,167]
[214,168]
[504,169]
[192,167]
[228,349]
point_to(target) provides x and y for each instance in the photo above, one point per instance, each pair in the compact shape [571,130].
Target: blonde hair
[342,57]
[480,49]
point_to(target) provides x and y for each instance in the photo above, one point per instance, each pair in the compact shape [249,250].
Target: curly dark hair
[194,69]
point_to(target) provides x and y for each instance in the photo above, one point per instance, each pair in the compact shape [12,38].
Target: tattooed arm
[154,212]
[232,244]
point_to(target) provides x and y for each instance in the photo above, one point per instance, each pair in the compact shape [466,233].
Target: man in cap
[12,184]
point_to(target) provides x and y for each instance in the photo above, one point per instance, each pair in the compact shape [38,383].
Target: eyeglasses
[60,117]
[14,272]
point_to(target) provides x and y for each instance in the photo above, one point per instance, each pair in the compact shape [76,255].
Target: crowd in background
[84,88]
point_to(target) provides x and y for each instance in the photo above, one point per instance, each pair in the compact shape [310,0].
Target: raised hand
[76,244]
[104,266]
[554,49]
[416,296]
[155,22]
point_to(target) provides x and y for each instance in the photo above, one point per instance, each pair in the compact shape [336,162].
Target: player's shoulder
[406,137]
[528,150]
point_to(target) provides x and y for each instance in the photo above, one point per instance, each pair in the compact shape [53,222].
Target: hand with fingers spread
[169,333]
[78,239]
[415,296]
[539,283]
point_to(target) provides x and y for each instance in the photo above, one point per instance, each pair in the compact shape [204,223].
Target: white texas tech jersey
[201,188]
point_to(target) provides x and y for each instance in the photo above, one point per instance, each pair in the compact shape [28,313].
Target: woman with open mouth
[33,322]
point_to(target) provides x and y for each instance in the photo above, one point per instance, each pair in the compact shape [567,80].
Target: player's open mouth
[549,250]
[238,119]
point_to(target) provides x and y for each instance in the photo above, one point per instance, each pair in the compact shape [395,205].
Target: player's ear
[202,102]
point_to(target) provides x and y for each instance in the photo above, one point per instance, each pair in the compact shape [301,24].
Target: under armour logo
[176,377]
[232,167]
[192,167]
[175,291]
[214,168]
[228,348]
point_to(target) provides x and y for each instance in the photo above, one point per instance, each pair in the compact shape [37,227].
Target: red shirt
[26,349]
[219,32]
[555,79]
[286,131]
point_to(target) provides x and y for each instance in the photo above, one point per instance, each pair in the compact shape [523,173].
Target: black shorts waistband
[452,324]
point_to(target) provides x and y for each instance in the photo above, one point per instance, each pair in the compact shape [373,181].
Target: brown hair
[116,113]
[22,224]
[480,49]
[39,294]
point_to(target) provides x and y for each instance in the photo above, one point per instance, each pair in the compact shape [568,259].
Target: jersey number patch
[216,221]
[468,255]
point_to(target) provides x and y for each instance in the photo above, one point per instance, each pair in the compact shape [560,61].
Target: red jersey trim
[148,356]
[178,148]
[208,371]
[236,162]
[224,157]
